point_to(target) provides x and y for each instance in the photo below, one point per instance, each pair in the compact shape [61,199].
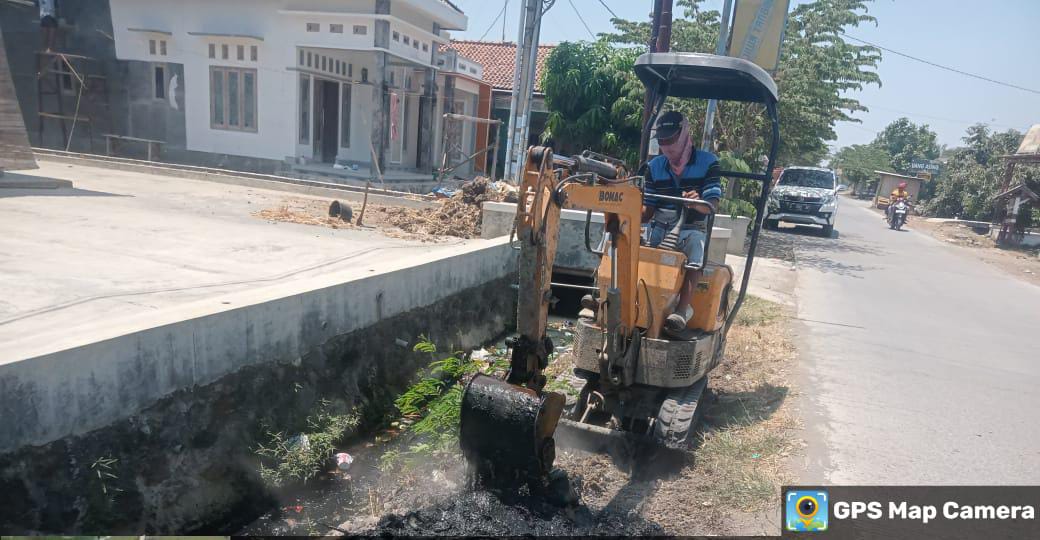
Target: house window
[397,36]
[212,50]
[224,51]
[364,74]
[323,65]
[313,27]
[415,45]
[151,46]
[241,52]
[336,28]
[305,109]
[309,57]
[350,70]
[233,98]
[360,29]
[162,47]
[344,122]
[160,82]
[253,53]
[426,47]
[301,57]
[407,40]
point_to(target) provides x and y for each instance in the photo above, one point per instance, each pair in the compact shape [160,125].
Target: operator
[898,193]
[680,171]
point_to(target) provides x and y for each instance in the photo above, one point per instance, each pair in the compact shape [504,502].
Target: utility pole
[523,83]
[721,50]
[660,41]
[505,10]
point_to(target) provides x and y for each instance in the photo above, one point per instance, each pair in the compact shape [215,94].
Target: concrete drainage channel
[157,430]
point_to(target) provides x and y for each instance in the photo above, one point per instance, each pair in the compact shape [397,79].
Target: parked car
[804,195]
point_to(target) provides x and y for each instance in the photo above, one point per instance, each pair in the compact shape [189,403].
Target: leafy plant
[286,459]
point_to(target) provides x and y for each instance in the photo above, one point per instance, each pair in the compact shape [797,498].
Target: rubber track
[675,418]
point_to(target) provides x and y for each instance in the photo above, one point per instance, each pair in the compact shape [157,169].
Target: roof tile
[499,60]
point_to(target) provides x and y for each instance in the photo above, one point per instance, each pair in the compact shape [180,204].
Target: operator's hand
[692,194]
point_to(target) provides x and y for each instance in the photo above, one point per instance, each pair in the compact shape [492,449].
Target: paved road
[920,364]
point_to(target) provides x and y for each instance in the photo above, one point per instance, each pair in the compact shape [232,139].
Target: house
[326,86]
[499,61]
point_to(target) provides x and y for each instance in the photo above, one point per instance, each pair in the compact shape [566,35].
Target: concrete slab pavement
[123,245]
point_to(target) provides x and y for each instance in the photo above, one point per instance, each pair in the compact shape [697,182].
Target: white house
[312,82]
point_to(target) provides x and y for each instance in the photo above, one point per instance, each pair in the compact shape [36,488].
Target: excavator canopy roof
[706,76]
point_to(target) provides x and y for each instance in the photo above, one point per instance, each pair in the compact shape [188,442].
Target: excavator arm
[507,426]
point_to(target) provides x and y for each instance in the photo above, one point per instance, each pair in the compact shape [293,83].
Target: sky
[997,39]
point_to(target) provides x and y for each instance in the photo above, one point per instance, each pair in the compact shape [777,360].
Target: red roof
[499,60]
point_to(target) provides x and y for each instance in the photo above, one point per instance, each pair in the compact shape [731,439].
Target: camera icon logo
[806,510]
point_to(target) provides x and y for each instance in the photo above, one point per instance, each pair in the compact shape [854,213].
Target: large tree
[903,140]
[973,174]
[589,93]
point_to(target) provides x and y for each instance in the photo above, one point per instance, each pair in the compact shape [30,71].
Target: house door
[326,115]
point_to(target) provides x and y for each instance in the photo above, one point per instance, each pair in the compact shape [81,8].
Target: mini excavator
[633,380]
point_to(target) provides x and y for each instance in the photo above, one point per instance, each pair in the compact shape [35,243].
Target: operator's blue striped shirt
[702,174]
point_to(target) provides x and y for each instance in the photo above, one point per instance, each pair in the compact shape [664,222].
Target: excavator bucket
[506,431]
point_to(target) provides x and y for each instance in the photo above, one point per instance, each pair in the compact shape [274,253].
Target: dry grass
[747,436]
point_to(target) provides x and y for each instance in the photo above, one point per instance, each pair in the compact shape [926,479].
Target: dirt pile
[458,215]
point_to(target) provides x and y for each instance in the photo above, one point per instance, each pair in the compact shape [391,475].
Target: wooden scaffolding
[64,76]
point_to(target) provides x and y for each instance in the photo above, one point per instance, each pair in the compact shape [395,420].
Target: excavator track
[677,417]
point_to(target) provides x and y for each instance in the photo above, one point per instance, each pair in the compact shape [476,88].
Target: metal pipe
[721,50]
[574,286]
[453,116]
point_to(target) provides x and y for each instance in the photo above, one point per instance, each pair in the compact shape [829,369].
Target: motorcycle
[897,214]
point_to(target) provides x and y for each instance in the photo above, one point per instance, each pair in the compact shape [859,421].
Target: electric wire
[940,66]
[583,23]
[604,4]
[492,25]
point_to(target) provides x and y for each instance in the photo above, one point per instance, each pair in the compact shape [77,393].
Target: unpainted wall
[187,463]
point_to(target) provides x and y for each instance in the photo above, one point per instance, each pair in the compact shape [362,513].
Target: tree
[904,140]
[973,174]
[589,93]
[858,163]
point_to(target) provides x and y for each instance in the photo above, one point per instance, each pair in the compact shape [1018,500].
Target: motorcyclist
[899,192]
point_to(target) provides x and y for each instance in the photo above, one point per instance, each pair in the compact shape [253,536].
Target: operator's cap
[668,125]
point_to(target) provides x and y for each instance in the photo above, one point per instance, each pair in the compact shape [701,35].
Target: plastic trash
[344,461]
[480,354]
[299,442]
[338,166]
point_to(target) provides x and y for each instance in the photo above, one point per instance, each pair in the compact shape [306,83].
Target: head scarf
[679,152]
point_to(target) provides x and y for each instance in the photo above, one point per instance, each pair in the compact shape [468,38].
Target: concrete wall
[181,406]
[80,388]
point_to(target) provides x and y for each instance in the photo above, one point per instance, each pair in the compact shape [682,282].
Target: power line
[604,4]
[576,12]
[940,66]
[492,25]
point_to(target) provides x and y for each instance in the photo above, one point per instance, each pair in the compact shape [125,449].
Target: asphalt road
[919,364]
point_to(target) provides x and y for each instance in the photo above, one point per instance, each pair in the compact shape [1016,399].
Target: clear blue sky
[998,39]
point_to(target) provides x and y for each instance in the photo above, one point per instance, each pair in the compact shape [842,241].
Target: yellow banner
[758,30]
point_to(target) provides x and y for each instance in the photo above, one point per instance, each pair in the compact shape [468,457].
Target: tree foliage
[904,140]
[588,91]
[817,69]
[973,174]
[858,163]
